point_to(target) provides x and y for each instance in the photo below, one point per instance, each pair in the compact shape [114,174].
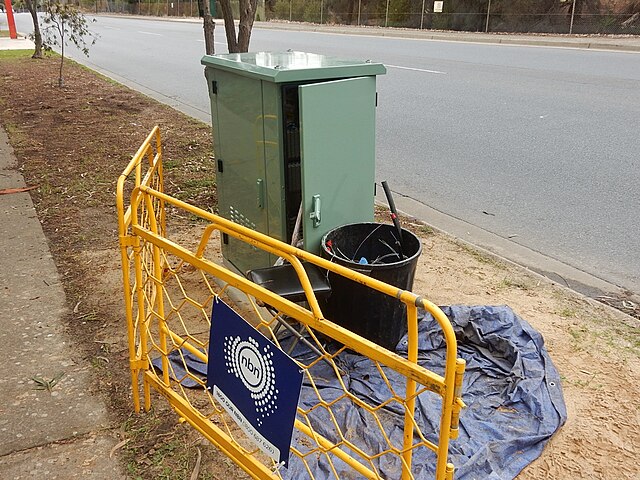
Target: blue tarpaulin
[511,388]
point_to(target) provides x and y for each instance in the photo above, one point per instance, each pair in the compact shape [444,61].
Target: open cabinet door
[337,124]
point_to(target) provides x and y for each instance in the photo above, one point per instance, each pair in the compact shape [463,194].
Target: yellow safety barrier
[170,283]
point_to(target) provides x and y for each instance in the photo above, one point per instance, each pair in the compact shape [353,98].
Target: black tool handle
[394,214]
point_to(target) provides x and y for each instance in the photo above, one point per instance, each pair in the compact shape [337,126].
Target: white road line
[110,28]
[437,72]
[149,33]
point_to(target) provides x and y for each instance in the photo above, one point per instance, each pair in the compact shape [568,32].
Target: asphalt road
[537,146]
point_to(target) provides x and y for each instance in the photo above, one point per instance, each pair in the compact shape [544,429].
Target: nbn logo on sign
[252,367]
[255,381]
[249,365]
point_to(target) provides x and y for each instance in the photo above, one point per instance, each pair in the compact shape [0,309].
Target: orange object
[10,20]
[7,191]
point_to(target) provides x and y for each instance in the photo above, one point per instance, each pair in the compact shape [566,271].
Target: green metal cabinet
[291,130]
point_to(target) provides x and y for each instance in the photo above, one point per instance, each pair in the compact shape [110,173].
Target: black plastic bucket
[374,250]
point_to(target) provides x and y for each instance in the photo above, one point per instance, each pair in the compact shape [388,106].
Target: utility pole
[386,16]
[486,27]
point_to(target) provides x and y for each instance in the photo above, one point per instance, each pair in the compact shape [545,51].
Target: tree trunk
[208,25]
[60,77]
[37,36]
[247,17]
[229,26]
[60,27]
[209,29]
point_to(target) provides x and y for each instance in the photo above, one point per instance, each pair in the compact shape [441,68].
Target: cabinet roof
[291,66]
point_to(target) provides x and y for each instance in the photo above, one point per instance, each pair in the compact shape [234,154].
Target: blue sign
[254,381]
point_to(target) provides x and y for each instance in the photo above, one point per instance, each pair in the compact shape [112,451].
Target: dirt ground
[74,142]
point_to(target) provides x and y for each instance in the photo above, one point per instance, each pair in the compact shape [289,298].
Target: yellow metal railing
[170,281]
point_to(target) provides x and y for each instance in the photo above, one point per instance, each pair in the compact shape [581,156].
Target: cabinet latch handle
[315,213]
[260,193]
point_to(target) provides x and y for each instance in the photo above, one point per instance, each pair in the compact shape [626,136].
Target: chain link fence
[569,16]
[175,8]
[513,16]
[160,8]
